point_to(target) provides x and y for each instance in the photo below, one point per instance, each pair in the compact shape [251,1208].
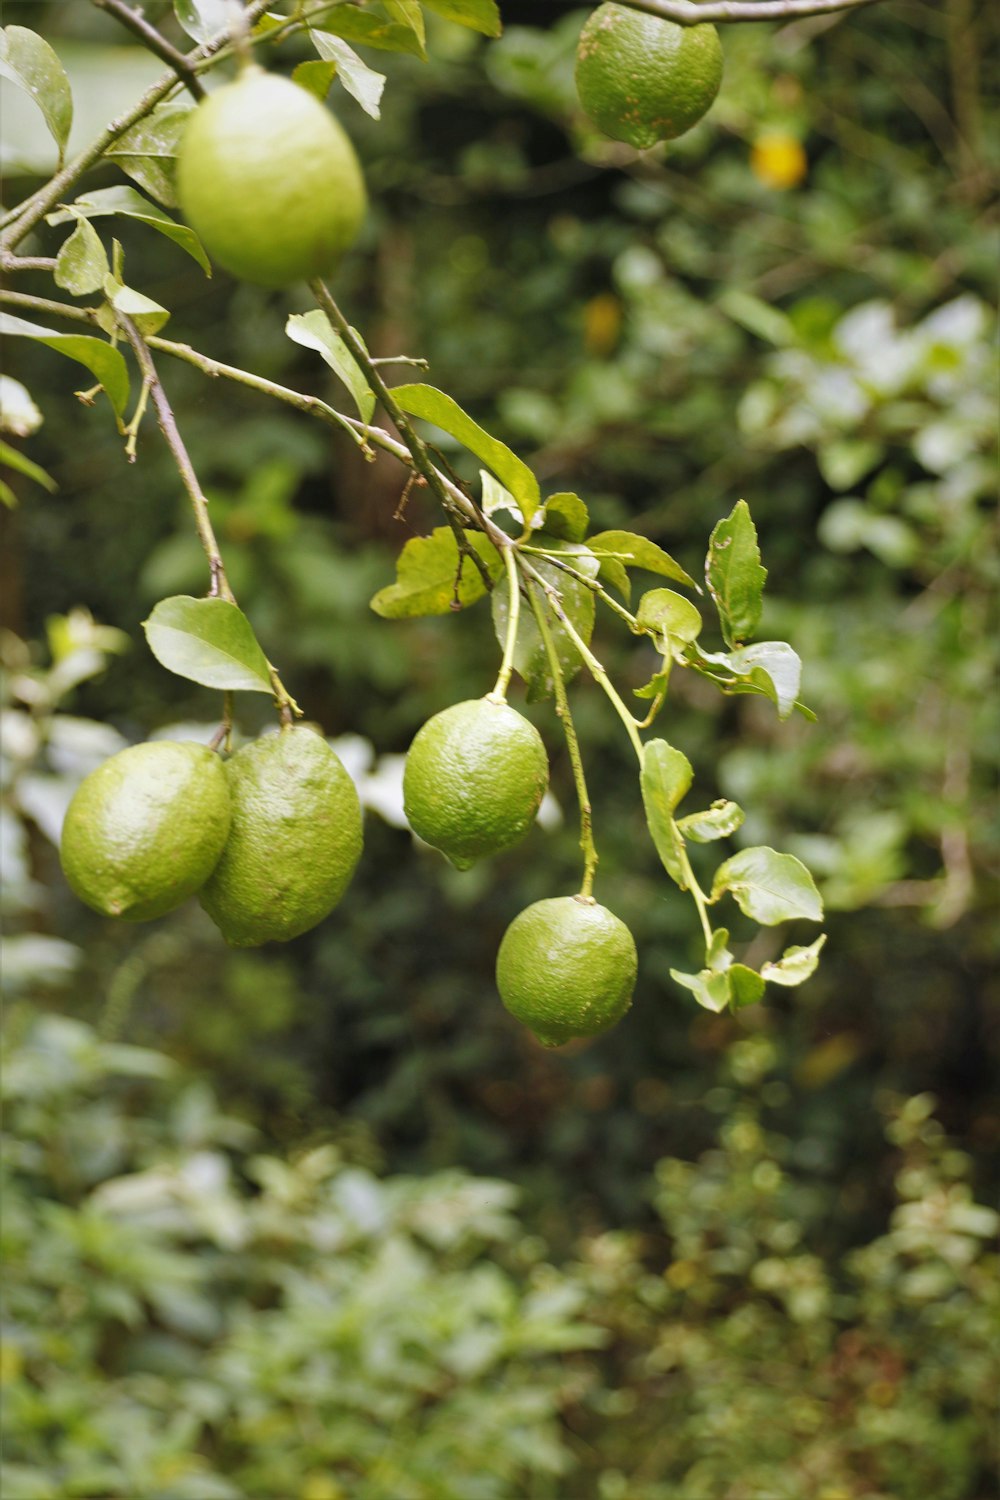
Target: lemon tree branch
[565,717]
[154,42]
[691,12]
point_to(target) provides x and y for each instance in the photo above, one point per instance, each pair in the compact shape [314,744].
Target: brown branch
[154,42]
[690,12]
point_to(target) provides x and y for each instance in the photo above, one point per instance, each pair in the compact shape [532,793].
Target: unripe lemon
[269,180]
[643,79]
[146,829]
[474,779]
[567,968]
[294,842]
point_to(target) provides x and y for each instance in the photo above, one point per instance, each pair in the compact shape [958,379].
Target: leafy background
[321,1220]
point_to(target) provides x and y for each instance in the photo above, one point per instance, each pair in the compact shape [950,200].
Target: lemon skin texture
[146,829]
[567,968]
[294,843]
[642,79]
[269,181]
[474,779]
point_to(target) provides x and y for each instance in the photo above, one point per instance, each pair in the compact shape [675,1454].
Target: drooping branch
[691,12]
[154,42]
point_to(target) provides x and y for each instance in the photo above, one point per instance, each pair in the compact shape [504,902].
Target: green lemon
[567,968]
[643,79]
[474,779]
[146,829]
[269,180]
[294,842]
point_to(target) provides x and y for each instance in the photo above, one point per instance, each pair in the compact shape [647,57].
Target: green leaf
[734,574]
[565,516]
[497,497]
[203,19]
[105,363]
[769,887]
[718,957]
[479,15]
[761,318]
[434,406]
[668,618]
[148,152]
[639,552]
[710,990]
[656,684]
[368,31]
[795,965]
[315,76]
[313,331]
[209,641]
[426,571]
[531,660]
[614,575]
[147,315]
[132,205]
[774,668]
[717,822]
[28,61]
[665,778]
[16,460]
[82,263]
[407,13]
[746,986]
[360,81]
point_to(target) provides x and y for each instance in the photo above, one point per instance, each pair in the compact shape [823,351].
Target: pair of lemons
[268,840]
[473,782]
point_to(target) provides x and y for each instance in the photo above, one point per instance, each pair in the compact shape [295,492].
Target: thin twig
[15,263]
[47,305]
[154,42]
[691,12]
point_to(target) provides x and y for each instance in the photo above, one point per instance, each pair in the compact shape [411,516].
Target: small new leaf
[209,641]
[634,551]
[746,986]
[669,618]
[665,778]
[734,574]
[435,406]
[104,363]
[566,516]
[147,315]
[795,965]
[716,822]
[774,669]
[713,991]
[82,262]
[769,887]
[312,330]
[426,573]
[28,61]
[360,81]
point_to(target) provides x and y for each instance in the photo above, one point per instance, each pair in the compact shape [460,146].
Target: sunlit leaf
[209,641]
[734,574]
[434,406]
[28,61]
[429,580]
[795,965]
[480,15]
[635,551]
[360,81]
[769,887]
[716,822]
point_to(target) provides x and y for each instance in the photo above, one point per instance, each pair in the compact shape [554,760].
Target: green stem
[700,899]
[572,743]
[499,693]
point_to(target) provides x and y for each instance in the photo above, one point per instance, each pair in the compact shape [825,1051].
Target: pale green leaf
[665,779]
[204,19]
[126,201]
[434,406]
[795,965]
[16,460]
[774,668]
[479,15]
[360,81]
[407,13]
[82,262]
[734,574]
[368,30]
[28,61]
[716,822]
[147,315]
[209,641]
[429,580]
[18,412]
[315,76]
[668,617]
[769,887]
[565,516]
[497,497]
[105,363]
[148,152]
[313,331]
[711,990]
[635,551]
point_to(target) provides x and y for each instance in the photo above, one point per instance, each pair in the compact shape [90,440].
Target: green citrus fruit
[146,829]
[269,181]
[642,79]
[567,968]
[474,779]
[294,842]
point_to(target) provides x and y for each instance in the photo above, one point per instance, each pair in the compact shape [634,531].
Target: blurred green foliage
[663,334]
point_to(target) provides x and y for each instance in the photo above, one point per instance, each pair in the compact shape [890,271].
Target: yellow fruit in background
[642,79]
[778,160]
[474,779]
[567,968]
[146,829]
[269,180]
[294,843]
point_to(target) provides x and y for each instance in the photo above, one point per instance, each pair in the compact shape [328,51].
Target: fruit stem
[587,844]
[499,693]
[240,32]
[698,895]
